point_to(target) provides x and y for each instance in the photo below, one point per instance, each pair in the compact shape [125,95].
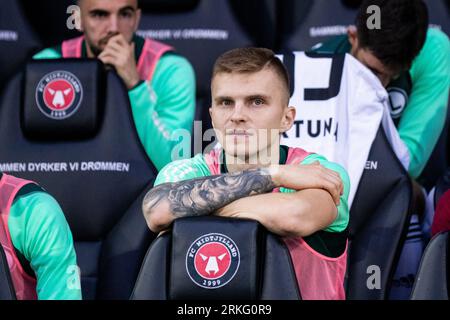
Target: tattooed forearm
[203,196]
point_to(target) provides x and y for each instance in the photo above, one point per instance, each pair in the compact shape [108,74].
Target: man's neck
[263,158]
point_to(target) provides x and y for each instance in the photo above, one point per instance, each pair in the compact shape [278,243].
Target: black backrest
[51,20]
[201,30]
[379,219]
[433,281]
[217,258]
[92,162]
[17,39]
[305,23]
[439,14]
[6,285]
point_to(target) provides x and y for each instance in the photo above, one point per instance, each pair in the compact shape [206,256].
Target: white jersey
[340,105]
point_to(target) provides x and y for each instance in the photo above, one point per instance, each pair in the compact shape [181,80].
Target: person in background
[413,63]
[37,242]
[160,83]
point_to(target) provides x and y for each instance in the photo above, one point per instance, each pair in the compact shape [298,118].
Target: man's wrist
[275,172]
[136,85]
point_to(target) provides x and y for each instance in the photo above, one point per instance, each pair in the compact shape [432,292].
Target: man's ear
[352,34]
[211,115]
[288,119]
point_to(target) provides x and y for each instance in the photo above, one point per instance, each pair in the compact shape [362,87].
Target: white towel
[341,128]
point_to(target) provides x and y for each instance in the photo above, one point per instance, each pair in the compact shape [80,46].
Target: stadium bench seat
[379,220]
[17,39]
[51,20]
[432,281]
[180,262]
[89,158]
[306,23]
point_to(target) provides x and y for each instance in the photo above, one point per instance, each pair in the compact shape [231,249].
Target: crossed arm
[247,194]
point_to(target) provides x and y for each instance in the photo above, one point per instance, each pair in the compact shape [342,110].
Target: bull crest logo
[212,265]
[58,100]
[212,260]
[59,94]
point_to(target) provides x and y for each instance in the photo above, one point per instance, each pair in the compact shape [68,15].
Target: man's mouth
[104,41]
[237,132]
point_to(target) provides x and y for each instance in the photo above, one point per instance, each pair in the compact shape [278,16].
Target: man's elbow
[158,217]
[308,218]
[297,227]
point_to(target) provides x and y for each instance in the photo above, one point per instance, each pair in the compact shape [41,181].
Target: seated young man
[297,195]
[37,242]
[160,82]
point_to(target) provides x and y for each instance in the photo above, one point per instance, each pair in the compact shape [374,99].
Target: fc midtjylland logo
[59,94]
[212,260]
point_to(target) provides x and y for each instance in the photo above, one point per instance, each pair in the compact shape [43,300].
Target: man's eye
[258,102]
[226,103]
[98,14]
[126,14]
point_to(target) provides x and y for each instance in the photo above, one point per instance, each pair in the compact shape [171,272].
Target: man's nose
[113,23]
[239,113]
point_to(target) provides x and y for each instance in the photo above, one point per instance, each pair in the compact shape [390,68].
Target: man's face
[102,19]
[249,111]
[367,58]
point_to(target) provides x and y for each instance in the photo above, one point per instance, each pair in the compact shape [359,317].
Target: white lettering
[105,166]
[185,34]
[47,167]
[374,21]
[374,280]
[371,165]
[182,150]
[8,35]
[327,31]
[13,167]
[74,20]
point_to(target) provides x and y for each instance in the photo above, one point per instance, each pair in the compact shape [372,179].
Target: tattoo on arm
[203,196]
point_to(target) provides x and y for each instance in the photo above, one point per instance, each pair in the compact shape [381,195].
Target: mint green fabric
[424,116]
[39,231]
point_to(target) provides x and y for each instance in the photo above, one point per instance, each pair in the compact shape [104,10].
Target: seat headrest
[225,256]
[168,5]
[62,99]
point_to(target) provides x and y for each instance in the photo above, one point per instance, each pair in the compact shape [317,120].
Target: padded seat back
[379,220]
[17,39]
[67,125]
[433,280]
[217,258]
